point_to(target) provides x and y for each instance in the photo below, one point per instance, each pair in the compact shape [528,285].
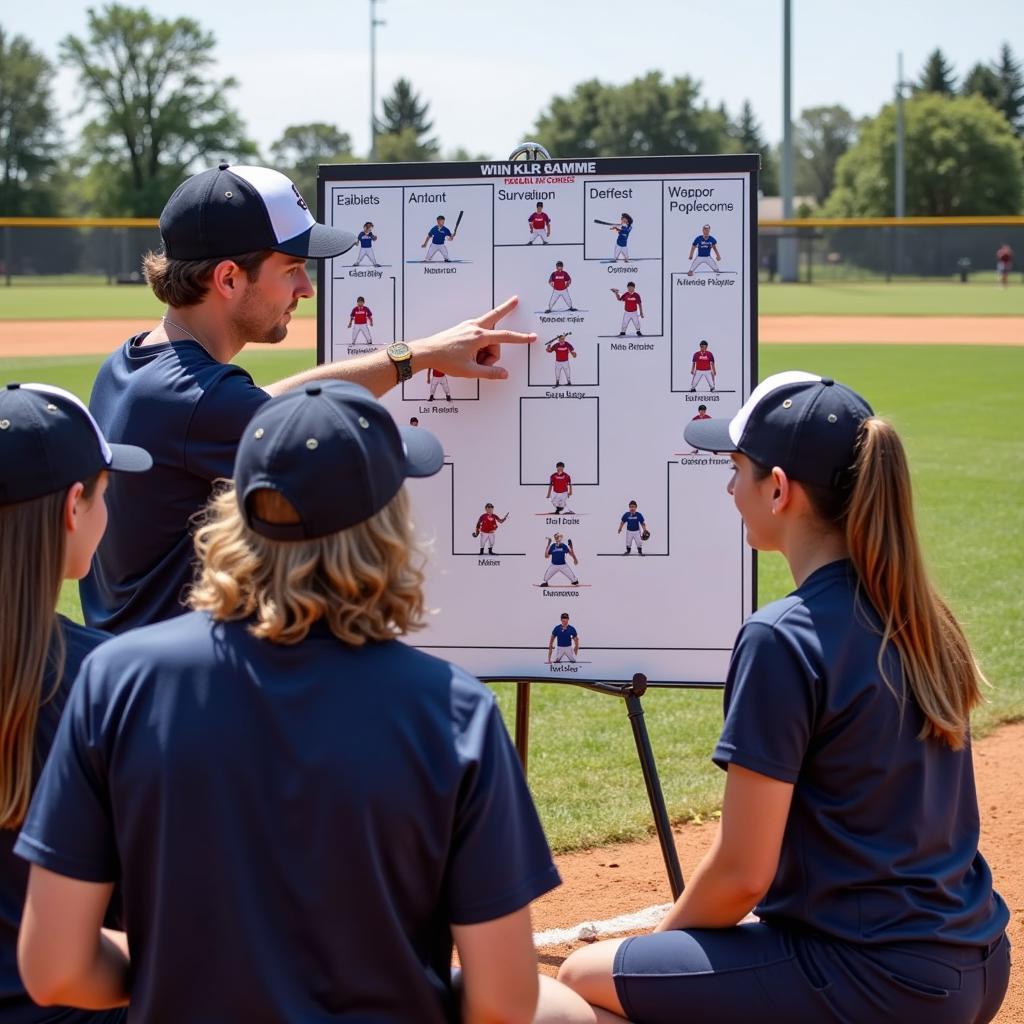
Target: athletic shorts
[755,972]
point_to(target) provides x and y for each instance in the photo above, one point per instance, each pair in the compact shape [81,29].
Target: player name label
[561,593]
[702,397]
[561,319]
[440,270]
[565,668]
[439,409]
[562,521]
[565,394]
[704,460]
[714,281]
[366,273]
[360,350]
[617,269]
[632,346]
[488,561]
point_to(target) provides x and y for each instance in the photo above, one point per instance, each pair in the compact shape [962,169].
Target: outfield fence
[43,250]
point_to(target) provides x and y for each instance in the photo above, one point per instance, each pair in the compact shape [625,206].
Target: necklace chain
[184,330]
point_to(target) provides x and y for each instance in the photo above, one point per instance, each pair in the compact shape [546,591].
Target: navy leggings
[759,973]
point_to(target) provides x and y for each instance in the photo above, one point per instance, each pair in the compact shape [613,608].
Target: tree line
[155,110]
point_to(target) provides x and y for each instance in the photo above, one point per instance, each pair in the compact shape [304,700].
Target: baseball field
[944,361]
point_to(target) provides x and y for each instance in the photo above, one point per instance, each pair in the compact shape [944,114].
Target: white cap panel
[777,380]
[50,389]
[289,214]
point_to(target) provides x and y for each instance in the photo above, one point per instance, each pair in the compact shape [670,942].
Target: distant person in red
[1004,264]
[540,226]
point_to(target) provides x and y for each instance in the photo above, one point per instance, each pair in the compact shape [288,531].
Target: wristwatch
[401,355]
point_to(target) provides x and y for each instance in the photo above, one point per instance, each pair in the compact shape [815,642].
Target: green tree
[746,133]
[303,147]
[404,130]
[29,138]
[645,117]
[937,75]
[156,110]
[984,82]
[1011,88]
[821,136]
[961,157]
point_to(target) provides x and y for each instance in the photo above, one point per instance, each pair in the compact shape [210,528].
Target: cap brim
[424,455]
[709,435]
[318,243]
[129,458]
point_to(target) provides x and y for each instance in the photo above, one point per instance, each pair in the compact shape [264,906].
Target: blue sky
[488,69]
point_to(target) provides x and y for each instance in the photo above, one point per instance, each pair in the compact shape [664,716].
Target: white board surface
[612,409]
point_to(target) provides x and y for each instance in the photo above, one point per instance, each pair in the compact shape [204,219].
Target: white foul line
[588,931]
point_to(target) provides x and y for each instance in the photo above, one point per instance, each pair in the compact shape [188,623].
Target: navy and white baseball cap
[805,424]
[229,210]
[334,452]
[49,441]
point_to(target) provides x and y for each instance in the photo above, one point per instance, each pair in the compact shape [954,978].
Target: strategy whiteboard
[607,390]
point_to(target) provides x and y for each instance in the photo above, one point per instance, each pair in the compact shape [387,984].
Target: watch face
[399,350]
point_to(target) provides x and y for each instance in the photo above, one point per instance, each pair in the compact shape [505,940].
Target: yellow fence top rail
[79,222]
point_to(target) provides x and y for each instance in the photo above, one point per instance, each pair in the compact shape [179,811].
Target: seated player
[567,641]
[302,810]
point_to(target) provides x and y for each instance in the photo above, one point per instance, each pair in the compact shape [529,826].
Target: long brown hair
[876,512]
[33,543]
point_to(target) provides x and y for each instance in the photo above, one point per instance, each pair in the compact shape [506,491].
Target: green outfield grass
[874,298]
[963,424]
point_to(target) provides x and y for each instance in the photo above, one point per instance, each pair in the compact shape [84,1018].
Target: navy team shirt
[881,844]
[15,1005]
[188,411]
[633,521]
[704,244]
[296,827]
[558,553]
[564,635]
[623,236]
[439,234]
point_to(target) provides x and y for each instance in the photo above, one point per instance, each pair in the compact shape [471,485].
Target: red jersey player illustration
[559,488]
[361,320]
[487,527]
[703,368]
[560,280]
[438,379]
[540,226]
[567,640]
[1004,264]
[632,308]
[366,238]
[702,414]
[704,245]
[559,551]
[563,350]
[414,421]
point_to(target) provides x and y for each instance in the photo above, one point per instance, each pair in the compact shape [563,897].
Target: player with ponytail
[53,474]
[850,820]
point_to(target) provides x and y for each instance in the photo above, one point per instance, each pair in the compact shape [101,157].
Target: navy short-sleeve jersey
[188,411]
[881,844]
[15,1005]
[300,825]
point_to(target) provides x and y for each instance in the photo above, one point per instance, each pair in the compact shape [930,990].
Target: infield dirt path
[629,877]
[43,338]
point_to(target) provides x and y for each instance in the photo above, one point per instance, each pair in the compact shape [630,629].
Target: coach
[232,270]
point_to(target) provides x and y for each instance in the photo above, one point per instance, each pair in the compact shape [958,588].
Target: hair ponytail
[935,657]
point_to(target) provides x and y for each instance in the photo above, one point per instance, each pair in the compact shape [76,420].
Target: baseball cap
[231,210]
[805,424]
[334,452]
[49,441]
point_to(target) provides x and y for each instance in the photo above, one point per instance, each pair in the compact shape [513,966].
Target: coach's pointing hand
[472,348]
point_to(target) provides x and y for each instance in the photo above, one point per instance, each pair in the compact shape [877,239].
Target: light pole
[900,205]
[787,243]
[375,23]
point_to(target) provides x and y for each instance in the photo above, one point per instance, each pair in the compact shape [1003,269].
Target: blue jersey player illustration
[366,238]
[636,526]
[437,236]
[559,551]
[622,230]
[704,245]
[564,643]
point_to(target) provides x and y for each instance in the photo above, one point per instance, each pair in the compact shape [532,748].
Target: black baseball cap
[805,424]
[334,452]
[49,441]
[229,210]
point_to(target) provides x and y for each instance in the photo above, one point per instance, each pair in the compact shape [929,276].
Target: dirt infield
[42,338]
[613,880]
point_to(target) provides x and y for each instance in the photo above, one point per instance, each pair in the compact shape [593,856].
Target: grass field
[963,423]
[913,298]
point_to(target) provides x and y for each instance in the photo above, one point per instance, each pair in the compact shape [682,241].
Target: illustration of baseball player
[361,320]
[702,414]
[566,639]
[438,379]
[487,527]
[562,350]
[632,308]
[636,526]
[414,421]
[623,229]
[704,245]
[540,226]
[560,280]
[437,236]
[703,367]
[558,551]
[366,239]
[559,488]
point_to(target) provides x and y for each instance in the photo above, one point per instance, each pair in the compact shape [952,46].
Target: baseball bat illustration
[564,334]
[458,221]
[609,223]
